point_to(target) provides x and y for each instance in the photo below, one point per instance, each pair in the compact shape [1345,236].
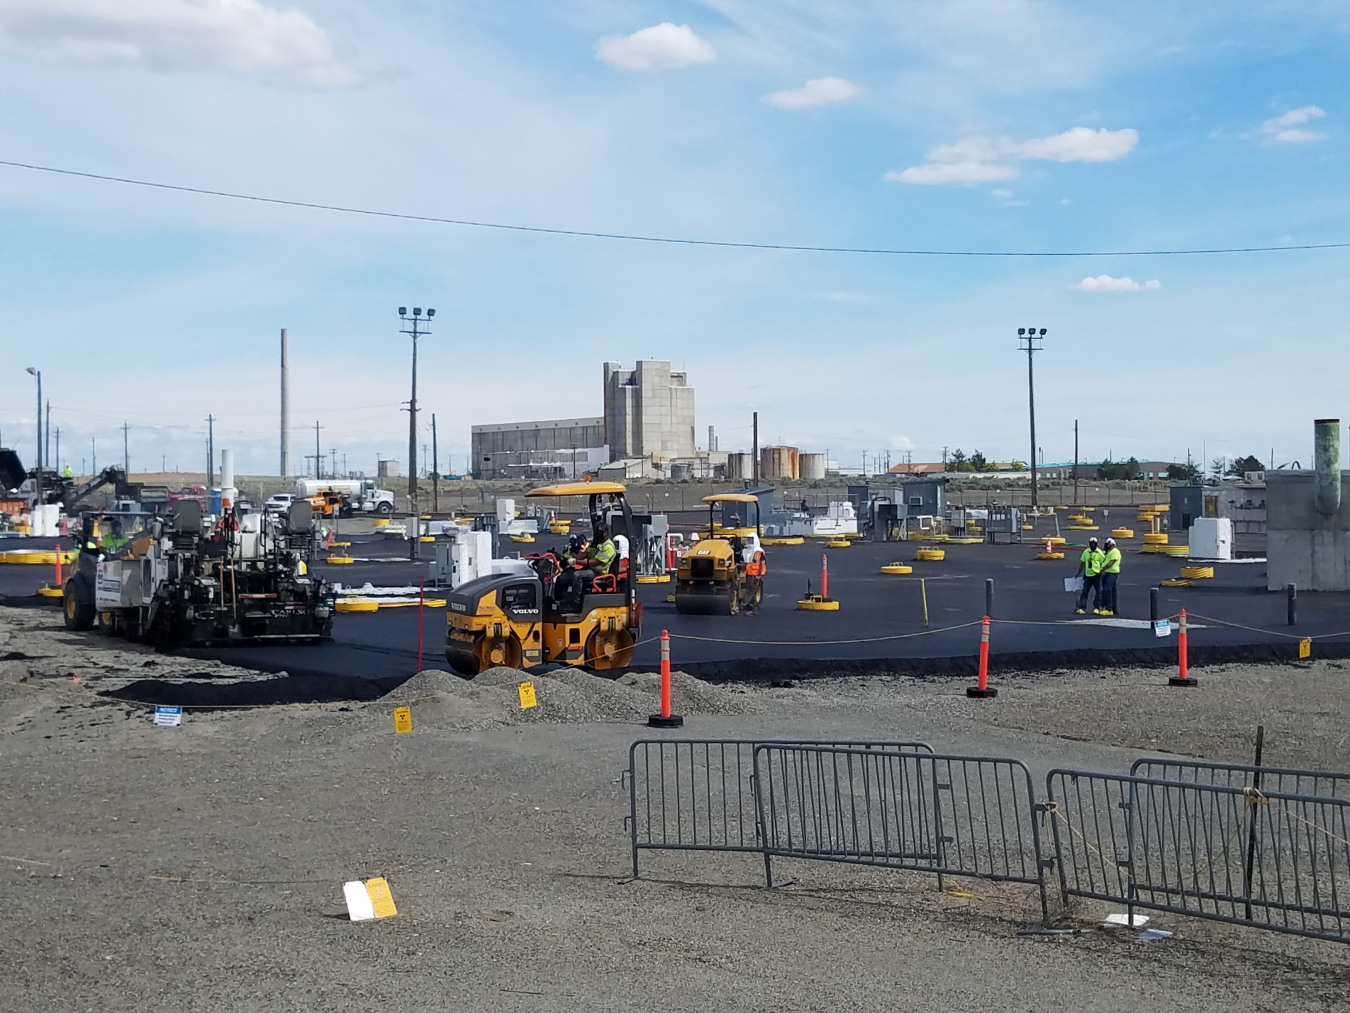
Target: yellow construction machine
[523,620]
[722,573]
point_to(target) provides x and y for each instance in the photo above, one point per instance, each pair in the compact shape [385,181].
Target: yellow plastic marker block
[1305,647]
[380,897]
[527,698]
[402,723]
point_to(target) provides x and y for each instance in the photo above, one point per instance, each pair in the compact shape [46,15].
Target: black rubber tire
[78,605]
[384,509]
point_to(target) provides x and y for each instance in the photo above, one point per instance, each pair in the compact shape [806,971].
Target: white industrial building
[649,412]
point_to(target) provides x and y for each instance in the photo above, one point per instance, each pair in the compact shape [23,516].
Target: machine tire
[702,604]
[734,598]
[486,653]
[384,509]
[606,651]
[78,605]
[106,628]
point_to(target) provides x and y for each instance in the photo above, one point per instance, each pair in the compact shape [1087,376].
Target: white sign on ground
[169,717]
[1162,628]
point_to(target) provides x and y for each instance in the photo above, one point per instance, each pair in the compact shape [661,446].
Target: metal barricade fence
[698,794]
[949,815]
[1269,859]
[1241,775]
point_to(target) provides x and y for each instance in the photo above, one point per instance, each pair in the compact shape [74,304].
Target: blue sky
[1002,125]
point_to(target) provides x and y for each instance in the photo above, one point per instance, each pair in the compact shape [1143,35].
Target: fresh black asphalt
[878,629]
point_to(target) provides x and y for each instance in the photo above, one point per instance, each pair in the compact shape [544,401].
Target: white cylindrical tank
[778,463]
[227,469]
[812,467]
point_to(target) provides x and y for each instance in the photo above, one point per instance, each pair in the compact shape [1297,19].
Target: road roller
[722,574]
[524,620]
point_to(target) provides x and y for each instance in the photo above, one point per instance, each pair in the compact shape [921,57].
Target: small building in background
[552,448]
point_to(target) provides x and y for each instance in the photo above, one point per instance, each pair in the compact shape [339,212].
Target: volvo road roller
[722,574]
[567,611]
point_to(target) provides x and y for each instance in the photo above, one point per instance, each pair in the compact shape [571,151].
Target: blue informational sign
[169,717]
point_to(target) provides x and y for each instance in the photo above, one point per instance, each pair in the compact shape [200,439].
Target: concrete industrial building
[554,448]
[649,412]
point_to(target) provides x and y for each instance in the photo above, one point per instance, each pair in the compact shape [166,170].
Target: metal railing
[1241,775]
[1270,859]
[949,815]
[698,794]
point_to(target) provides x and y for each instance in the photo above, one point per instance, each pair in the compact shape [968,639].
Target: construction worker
[1110,576]
[594,560]
[1089,568]
[114,539]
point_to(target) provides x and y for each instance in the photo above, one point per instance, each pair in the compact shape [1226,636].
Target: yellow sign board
[527,699]
[380,898]
[1305,647]
[402,723]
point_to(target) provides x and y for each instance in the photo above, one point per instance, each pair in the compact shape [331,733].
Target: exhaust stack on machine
[1327,465]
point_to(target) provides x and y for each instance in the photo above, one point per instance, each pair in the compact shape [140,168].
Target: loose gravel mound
[564,696]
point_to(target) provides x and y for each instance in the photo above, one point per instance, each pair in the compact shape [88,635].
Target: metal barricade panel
[1269,859]
[698,794]
[1292,780]
[950,815]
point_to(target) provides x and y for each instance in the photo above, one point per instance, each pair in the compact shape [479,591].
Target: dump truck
[522,620]
[722,573]
[177,580]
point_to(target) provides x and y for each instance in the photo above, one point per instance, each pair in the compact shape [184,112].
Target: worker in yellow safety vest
[1089,568]
[1110,577]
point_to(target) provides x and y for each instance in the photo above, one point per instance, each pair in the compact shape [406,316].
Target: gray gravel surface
[200,868]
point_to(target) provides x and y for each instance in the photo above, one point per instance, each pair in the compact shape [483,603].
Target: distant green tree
[956,461]
[1118,471]
[1182,472]
[1017,465]
[1241,465]
[977,462]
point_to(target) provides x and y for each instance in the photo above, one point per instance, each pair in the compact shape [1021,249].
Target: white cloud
[1282,128]
[938,173]
[1081,144]
[661,47]
[820,91]
[240,37]
[1105,283]
[984,159]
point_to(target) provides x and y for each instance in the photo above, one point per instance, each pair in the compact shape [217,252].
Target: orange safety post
[665,719]
[58,566]
[1183,676]
[982,690]
[824,577]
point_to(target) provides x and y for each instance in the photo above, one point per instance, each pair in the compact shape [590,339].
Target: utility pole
[1028,341]
[436,470]
[93,456]
[58,448]
[47,436]
[318,454]
[126,452]
[285,405]
[1075,462]
[34,372]
[210,452]
[754,453]
[332,469]
[414,326]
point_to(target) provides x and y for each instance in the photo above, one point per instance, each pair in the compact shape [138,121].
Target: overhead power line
[670,240]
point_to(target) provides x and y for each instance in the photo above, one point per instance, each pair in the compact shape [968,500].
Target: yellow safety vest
[1111,561]
[1092,562]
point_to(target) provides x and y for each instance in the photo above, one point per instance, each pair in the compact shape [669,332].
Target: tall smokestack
[1327,462]
[285,408]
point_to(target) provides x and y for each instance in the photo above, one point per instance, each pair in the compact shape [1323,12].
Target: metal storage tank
[778,463]
[740,467]
[812,467]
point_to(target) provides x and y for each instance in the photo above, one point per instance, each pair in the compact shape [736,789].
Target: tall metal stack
[285,408]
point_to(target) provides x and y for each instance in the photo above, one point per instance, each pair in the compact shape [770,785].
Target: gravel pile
[565,696]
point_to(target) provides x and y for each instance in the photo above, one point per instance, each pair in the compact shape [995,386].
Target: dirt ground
[201,867]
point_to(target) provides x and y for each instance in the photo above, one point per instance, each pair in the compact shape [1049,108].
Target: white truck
[360,492]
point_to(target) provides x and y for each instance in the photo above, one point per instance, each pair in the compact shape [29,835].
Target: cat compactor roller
[722,574]
[524,620]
